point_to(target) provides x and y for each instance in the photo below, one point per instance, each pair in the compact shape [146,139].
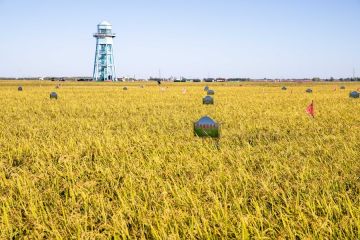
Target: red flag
[310,109]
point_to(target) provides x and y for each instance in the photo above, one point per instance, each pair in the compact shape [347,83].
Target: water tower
[104,68]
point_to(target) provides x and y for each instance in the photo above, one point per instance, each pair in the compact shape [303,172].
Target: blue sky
[198,38]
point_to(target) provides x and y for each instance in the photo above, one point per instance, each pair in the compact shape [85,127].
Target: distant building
[220,80]
[209,79]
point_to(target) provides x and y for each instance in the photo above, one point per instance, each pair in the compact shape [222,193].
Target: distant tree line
[331,79]
[315,79]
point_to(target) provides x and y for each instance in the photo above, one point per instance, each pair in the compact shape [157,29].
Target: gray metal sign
[206,127]
[210,92]
[53,95]
[354,94]
[208,100]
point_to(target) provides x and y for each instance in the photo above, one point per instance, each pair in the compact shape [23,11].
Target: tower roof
[104,23]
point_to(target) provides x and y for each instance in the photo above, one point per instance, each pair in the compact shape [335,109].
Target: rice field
[101,162]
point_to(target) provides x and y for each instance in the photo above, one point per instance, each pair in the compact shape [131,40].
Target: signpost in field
[206,127]
[53,95]
[208,100]
[210,92]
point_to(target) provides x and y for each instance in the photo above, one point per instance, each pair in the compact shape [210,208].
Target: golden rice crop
[101,162]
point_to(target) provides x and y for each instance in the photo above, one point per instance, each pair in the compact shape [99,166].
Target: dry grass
[101,162]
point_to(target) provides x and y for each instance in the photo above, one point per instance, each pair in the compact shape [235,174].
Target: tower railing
[104,35]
